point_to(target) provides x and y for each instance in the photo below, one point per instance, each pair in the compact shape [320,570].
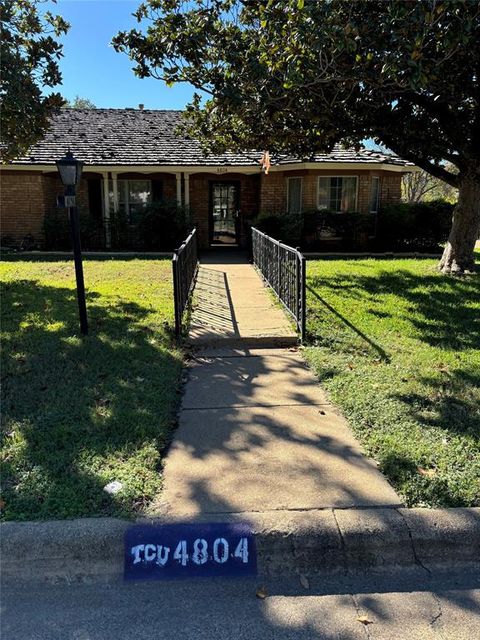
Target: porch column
[115,192]
[179,189]
[106,212]
[187,189]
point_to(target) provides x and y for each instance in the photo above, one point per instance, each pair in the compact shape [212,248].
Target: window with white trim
[374,194]
[133,198]
[337,193]
[294,195]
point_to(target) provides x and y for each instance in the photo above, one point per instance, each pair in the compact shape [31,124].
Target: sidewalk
[259,442]
[233,307]
[256,432]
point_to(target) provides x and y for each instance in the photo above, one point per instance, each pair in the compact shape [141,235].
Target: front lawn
[397,345]
[79,413]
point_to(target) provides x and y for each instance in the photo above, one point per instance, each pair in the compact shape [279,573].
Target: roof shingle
[133,137]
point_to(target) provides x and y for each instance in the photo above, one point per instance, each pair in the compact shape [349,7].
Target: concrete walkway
[232,306]
[256,431]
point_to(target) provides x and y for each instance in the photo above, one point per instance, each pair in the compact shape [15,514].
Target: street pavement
[403,606]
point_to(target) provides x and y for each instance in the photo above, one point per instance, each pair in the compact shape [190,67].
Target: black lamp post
[70,172]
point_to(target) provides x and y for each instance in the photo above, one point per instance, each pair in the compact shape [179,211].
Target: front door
[224,198]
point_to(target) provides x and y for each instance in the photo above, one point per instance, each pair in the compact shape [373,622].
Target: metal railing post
[303,289]
[175,291]
[279,269]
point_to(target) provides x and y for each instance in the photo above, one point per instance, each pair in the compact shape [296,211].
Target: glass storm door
[224,214]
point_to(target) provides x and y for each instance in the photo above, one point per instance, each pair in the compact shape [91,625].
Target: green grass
[78,412]
[397,345]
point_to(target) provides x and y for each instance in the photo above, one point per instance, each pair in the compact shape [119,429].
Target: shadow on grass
[437,305]
[371,343]
[81,412]
[431,326]
[450,402]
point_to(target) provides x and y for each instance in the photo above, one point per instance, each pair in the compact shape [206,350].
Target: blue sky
[92,69]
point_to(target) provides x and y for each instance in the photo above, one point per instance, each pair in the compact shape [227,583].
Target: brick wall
[200,201]
[22,205]
[26,196]
[53,187]
[273,190]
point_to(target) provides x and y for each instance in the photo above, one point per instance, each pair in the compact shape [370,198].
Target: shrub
[287,227]
[269,224]
[420,226]
[310,228]
[397,227]
[164,226]
[56,226]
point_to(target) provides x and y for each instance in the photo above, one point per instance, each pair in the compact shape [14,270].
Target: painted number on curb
[189,550]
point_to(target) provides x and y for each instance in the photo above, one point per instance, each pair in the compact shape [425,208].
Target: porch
[152,210]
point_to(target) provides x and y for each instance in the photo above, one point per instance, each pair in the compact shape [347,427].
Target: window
[374,194]
[294,195]
[133,197]
[337,193]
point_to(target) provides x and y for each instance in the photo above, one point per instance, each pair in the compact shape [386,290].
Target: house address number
[189,550]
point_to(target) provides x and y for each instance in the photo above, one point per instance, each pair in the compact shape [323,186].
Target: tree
[420,186]
[29,56]
[300,75]
[416,185]
[80,103]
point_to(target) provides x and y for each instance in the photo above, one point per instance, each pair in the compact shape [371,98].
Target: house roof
[134,137]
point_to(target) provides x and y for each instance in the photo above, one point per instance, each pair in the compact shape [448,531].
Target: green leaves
[296,76]
[30,57]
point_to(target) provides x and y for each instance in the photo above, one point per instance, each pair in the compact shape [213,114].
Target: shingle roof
[128,137]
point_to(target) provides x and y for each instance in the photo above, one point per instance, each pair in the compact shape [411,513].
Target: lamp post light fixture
[70,171]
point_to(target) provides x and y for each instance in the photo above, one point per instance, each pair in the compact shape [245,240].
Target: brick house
[133,157]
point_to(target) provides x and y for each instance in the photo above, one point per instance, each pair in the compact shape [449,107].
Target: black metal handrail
[185,267]
[283,268]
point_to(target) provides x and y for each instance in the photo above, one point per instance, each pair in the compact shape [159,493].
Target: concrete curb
[327,542]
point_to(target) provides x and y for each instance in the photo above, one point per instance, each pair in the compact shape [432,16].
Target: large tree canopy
[29,58]
[301,75]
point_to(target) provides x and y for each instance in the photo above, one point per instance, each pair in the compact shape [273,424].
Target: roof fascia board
[219,169]
[360,166]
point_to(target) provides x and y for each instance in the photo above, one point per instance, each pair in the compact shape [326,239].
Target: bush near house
[81,412]
[56,229]
[161,226]
[396,345]
[164,226]
[418,227]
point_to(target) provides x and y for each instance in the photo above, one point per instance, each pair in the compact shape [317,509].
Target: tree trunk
[458,254]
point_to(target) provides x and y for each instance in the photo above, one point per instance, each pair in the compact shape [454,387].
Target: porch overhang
[223,169]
